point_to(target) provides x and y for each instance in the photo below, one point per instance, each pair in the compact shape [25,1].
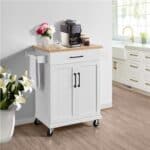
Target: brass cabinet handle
[133,66]
[147,57]
[134,55]
[134,80]
[147,69]
[148,84]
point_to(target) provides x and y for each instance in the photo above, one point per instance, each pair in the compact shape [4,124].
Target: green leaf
[11,95]
[1,76]
[20,87]
[9,86]
[5,104]
[1,94]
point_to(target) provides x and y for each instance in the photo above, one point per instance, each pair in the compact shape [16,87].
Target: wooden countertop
[61,49]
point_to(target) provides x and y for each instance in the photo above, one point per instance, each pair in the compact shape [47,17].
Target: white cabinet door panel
[86,91]
[119,71]
[61,93]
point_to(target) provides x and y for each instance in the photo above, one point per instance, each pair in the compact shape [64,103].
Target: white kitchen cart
[68,85]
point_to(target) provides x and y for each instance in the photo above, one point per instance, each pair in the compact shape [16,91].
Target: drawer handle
[147,57]
[134,80]
[134,66]
[134,55]
[76,56]
[148,84]
[147,70]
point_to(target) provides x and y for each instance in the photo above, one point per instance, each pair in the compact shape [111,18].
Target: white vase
[7,123]
[44,41]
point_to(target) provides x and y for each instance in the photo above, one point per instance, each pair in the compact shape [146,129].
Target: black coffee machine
[70,33]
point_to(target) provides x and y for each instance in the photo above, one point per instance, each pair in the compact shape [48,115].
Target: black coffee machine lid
[69,21]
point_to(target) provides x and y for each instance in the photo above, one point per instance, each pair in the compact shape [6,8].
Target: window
[133,13]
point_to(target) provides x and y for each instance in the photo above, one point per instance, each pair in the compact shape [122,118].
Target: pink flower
[42,28]
[44,25]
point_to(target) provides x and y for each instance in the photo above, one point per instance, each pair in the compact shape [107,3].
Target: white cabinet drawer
[146,78]
[74,56]
[147,72]
[147,57]
[147,85]
[135,55]
[133,67]
[134,81]
[134,74]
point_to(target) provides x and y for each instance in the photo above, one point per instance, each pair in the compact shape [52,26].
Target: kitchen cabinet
[71,90]
[133,71]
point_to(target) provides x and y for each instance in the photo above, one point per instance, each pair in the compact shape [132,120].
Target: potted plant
[12,90]
[143,37]
[44,34]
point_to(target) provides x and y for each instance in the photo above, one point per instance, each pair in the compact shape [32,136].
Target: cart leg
[50,132]
[36,122]
[96,123]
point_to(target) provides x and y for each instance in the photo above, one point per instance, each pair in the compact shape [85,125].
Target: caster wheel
[49,132]
[36,122]
[96,123]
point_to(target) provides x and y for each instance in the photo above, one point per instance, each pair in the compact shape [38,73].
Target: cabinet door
[61,93]
[86,93]
[119,71]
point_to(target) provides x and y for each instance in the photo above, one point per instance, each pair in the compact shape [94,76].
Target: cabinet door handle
[75,80]
[134,55]
[147,57]
[134,80]
[147,69]
[115,65]
[78,79]
[133,66]
[76,56]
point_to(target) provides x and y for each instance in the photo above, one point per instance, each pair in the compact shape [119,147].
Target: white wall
[20,16]
[0,29]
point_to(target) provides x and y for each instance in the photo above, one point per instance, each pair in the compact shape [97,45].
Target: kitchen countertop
[62,49]
[138,46]
[134,46]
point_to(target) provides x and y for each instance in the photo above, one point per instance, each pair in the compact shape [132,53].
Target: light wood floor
[124,127]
